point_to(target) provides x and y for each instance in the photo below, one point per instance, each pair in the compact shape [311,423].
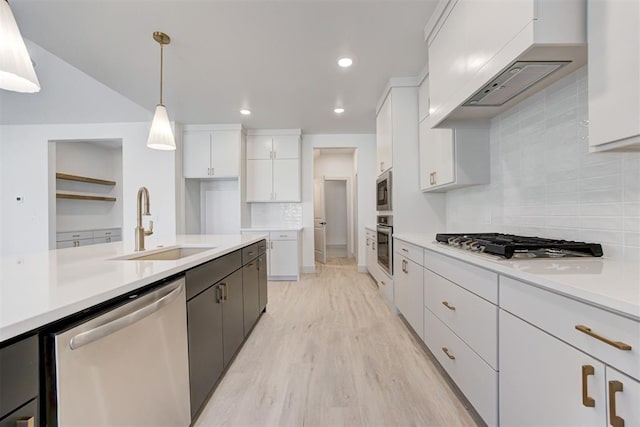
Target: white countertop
[266,229]
[608,283]
[41,288]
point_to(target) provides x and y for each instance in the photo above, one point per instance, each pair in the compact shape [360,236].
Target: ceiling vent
[517,78]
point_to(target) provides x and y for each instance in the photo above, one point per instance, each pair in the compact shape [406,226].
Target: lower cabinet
[263,298]
[283,254]
[19,382]
[251,294]
[232,315]
[409,289]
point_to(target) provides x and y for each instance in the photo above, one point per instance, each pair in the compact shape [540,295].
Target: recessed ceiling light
[338,110]
[245,112]
[345,62]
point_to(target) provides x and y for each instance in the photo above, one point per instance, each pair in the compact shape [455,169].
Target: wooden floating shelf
[84,197]
[68,177]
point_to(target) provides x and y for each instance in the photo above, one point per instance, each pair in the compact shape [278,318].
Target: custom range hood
[480,67]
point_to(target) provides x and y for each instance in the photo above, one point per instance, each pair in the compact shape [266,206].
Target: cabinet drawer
[481,282]
[74,235]
[477,380]
[262,247]
[201,277]
[283,235]
[111,232]
[414,253]
[18,374]
[473,319]
[250,252]
[30,410]
[559,316]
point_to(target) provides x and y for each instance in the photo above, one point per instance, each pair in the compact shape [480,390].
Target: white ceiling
[277,58]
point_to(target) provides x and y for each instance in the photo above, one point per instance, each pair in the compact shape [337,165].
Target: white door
[197,154]
[319,221]
[259,147]
[284,258]
[541,379]
[626,398]
[286,180]
[286,147]
[225,154]
[259,180]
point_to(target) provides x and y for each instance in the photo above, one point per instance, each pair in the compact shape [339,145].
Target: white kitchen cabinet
[423,99]
[74,239]
[273,167]
[453,158]
[283,253]
[624,392]
[542,380]
[384,135]
[408,287]
[470,42]
[614,74]
[212,154]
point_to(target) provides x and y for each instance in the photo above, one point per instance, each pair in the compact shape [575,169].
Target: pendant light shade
[16,70]
[161,135]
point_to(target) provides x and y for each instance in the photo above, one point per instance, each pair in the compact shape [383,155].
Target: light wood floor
[329,352]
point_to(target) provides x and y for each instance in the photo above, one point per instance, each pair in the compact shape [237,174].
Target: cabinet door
[259,147]
[286,147]
[262,282]
[259,180]
[204,322]
[384,136]
[614,89]
[197,154]
[626,398]
[427,163]
[25,412]
[286,180]
[409,290]
[250,294]
[232,315]
[439,156]
[541,380]
[423,99]
[225,154]
[284,258]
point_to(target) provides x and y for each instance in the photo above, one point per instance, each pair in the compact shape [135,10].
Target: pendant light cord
[161,68]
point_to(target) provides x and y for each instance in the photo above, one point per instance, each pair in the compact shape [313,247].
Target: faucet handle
[150,230]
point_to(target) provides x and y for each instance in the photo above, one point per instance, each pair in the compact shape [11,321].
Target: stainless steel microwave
[383,192]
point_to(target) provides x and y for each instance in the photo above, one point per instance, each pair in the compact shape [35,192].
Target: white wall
[545,182]
[366,145]
[24,156]
[96,161]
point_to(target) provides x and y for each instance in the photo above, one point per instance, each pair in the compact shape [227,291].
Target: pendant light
[16,69]
[161,135]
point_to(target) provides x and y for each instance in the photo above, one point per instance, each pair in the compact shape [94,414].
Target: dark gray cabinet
[232,315]
[204,318]
[19,381]
[262,282]
[250,285]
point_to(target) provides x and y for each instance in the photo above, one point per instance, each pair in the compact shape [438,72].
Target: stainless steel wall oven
[384,242]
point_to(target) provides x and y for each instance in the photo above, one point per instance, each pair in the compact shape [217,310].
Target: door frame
[349,203]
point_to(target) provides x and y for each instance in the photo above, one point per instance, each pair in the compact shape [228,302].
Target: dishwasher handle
[109,328]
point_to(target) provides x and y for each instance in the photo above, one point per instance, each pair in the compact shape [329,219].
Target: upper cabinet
[212,153]
[485,56]
[423,98]
[273,166]
[384,136]
[614,75]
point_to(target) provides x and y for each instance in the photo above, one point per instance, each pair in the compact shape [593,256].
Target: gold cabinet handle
[614,419]
[586,400]
[449,306]
[405,250]
[25,422]
[617,344]
[449,355]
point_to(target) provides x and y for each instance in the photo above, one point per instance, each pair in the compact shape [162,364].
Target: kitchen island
[218,281]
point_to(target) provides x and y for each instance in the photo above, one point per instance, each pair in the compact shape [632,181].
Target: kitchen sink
[170,254]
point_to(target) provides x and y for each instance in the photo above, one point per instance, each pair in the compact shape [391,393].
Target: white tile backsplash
[276,214]
[545,182]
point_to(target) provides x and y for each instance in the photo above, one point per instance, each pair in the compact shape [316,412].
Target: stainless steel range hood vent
[517,78]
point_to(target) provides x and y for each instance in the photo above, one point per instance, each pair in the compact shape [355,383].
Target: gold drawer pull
[614,419]
[586,400]
[449,355]
[405,250]
[449,306]
[617,344]
[25,422]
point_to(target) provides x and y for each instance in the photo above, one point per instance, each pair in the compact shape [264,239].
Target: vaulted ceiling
[277,58]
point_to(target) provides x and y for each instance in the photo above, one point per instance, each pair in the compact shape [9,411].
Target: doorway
[334,203]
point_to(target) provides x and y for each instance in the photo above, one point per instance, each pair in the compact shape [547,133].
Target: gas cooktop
[512,246]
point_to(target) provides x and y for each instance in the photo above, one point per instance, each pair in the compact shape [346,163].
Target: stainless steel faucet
[140,231]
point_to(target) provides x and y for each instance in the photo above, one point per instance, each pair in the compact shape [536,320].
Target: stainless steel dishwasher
[127,366]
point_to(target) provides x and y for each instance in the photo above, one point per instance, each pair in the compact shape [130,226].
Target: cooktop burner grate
[508,245]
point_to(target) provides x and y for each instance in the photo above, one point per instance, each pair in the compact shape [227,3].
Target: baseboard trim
[363,269]
[308,269]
